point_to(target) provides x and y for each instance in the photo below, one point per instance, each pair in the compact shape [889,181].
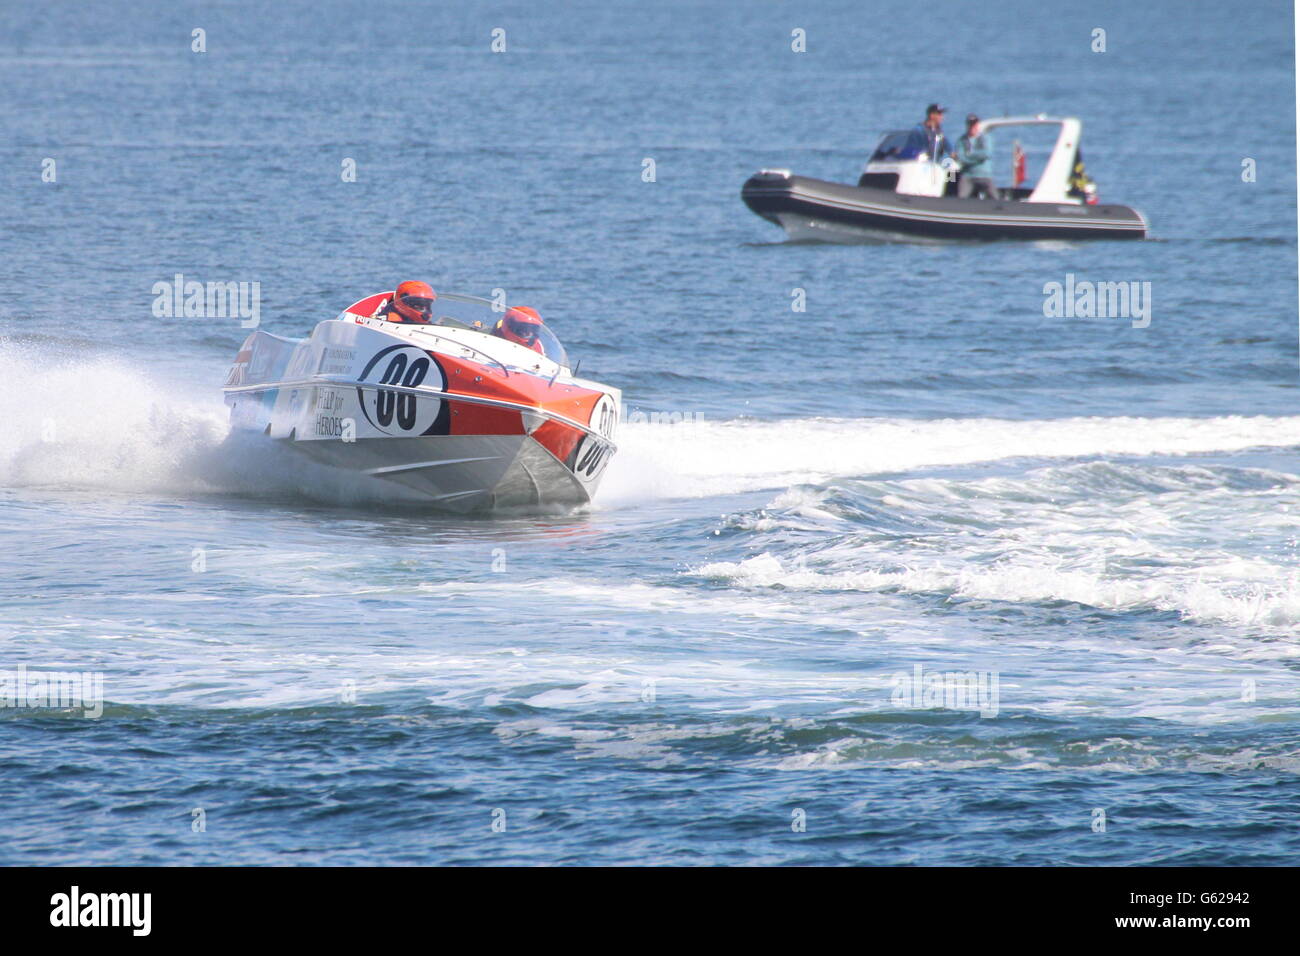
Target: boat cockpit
[470,313]
[901,163]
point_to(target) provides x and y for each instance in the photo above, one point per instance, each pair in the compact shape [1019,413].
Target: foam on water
[704,459]
[1227,600]
[97,422]
[105,424]
[1213,544]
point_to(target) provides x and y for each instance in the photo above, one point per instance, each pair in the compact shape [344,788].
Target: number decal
[406,403]
[400,413]
[594,451]
[592,458]
[605,418]
[384,400]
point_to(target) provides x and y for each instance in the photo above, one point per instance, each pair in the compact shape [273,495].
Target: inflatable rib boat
[904,192]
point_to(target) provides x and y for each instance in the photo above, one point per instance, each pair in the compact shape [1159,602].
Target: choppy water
[920,471]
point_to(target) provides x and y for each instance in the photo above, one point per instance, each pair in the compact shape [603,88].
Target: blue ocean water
[920,474]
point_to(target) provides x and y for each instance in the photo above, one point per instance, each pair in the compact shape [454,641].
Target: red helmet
[522,325]
[412,302]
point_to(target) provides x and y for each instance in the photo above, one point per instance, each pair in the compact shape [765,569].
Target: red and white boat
[447,412]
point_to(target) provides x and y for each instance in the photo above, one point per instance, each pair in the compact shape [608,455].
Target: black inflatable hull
[813,208]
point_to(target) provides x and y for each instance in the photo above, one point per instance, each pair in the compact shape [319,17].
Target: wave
[1230,602]
[1210,543]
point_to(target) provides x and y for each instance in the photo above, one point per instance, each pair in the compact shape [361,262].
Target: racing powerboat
[447,413]
[903,191]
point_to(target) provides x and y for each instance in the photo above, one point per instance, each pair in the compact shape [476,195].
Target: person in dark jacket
[932,128]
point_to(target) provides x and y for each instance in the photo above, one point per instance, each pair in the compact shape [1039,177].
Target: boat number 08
[408,376]
[593,453]
[605,417]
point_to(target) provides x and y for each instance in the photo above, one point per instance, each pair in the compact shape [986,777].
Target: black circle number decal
[593,456]
[398,373]
[401,413]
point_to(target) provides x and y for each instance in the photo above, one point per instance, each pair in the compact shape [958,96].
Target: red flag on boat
[1017,164]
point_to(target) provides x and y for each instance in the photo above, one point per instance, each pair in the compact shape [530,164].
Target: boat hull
[815,209]
[462,474]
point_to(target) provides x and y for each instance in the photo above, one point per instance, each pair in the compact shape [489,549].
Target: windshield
[531,334]
[469,312]
[900,144]
[551,346]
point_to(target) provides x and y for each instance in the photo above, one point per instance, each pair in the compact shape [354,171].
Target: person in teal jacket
[975,154]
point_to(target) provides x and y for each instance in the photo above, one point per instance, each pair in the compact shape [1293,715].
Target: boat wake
[709,459]
[100,424]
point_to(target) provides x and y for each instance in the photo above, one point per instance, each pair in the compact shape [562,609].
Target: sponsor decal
[335,361]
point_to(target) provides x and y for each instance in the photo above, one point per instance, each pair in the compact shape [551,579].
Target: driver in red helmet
[521,325]
[412,302]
